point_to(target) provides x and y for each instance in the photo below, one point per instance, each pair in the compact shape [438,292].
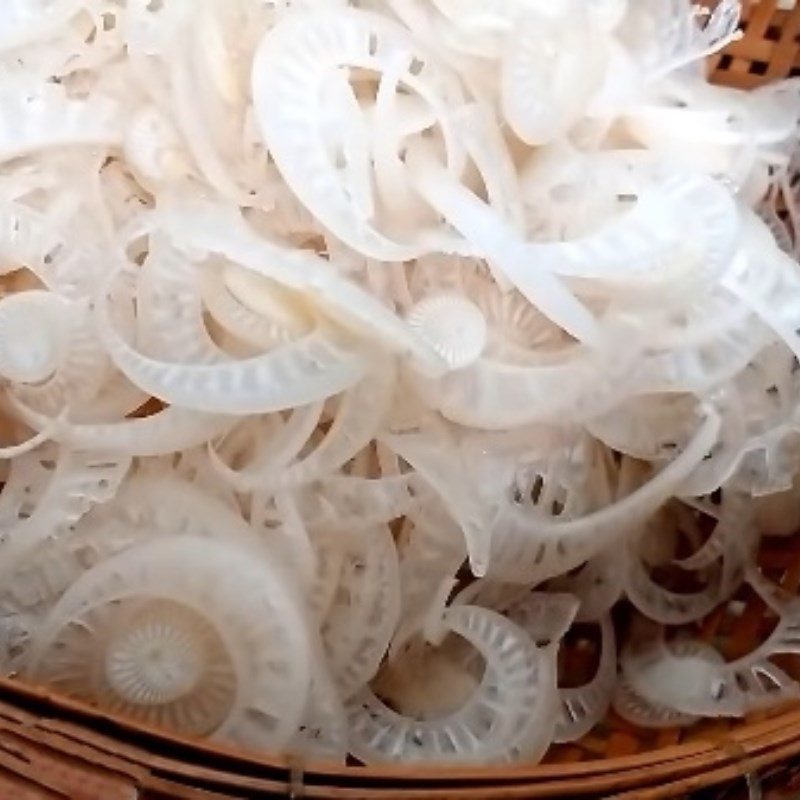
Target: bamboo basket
[52,748]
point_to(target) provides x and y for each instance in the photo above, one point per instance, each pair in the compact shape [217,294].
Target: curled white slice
[365,610]
[289,69]
[159,434]
[221,230]
[234,317]
[510,715]
[550,69]
[169,309]
[527,547]
[160,633]
[280,446]
[34,330]
[322,734]
[500,245]
[153,148]
[318,366]
[644,713]
[39,117]
[584,706]
[695,679]
[81,367]
[437,462]
[682,35]
[495,394]
[32,239]
[26,23]
[356,421]
[78,481]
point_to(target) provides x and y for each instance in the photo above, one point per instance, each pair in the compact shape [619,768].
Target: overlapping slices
[358,360]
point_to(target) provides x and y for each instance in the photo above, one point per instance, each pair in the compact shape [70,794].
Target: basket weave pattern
[55,749]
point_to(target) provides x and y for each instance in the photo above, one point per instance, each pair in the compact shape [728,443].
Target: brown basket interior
[54,748]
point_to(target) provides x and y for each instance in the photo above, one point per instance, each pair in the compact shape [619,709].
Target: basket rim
[748,741]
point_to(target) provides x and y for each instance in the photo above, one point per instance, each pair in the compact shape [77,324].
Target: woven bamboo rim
[52,748]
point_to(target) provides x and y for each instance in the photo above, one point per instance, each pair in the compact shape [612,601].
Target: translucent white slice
[696,679]
[550,69]
[289,71]
[356,422]
[24,23]
[169,308]
[153,148]
[598,584]
[516,694]
[221,230]
[527,547]
[646,714]
[82,368]
[501,246]
[160,434]
[79,481]
[32,239]
[680,38]
[322,735]
[235,317]
[439,466]
[584,706]
[264,296]
[158,503]
[253,629]
[673,608]
[34,329]
[497,395]
[365,611]
[352,502]
[38,117]
[545,616]
[280,448]
[316,367]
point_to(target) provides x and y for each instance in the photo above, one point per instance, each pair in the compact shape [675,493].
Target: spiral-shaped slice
[196,635]
[454,327]
[510,715]
[289,71]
